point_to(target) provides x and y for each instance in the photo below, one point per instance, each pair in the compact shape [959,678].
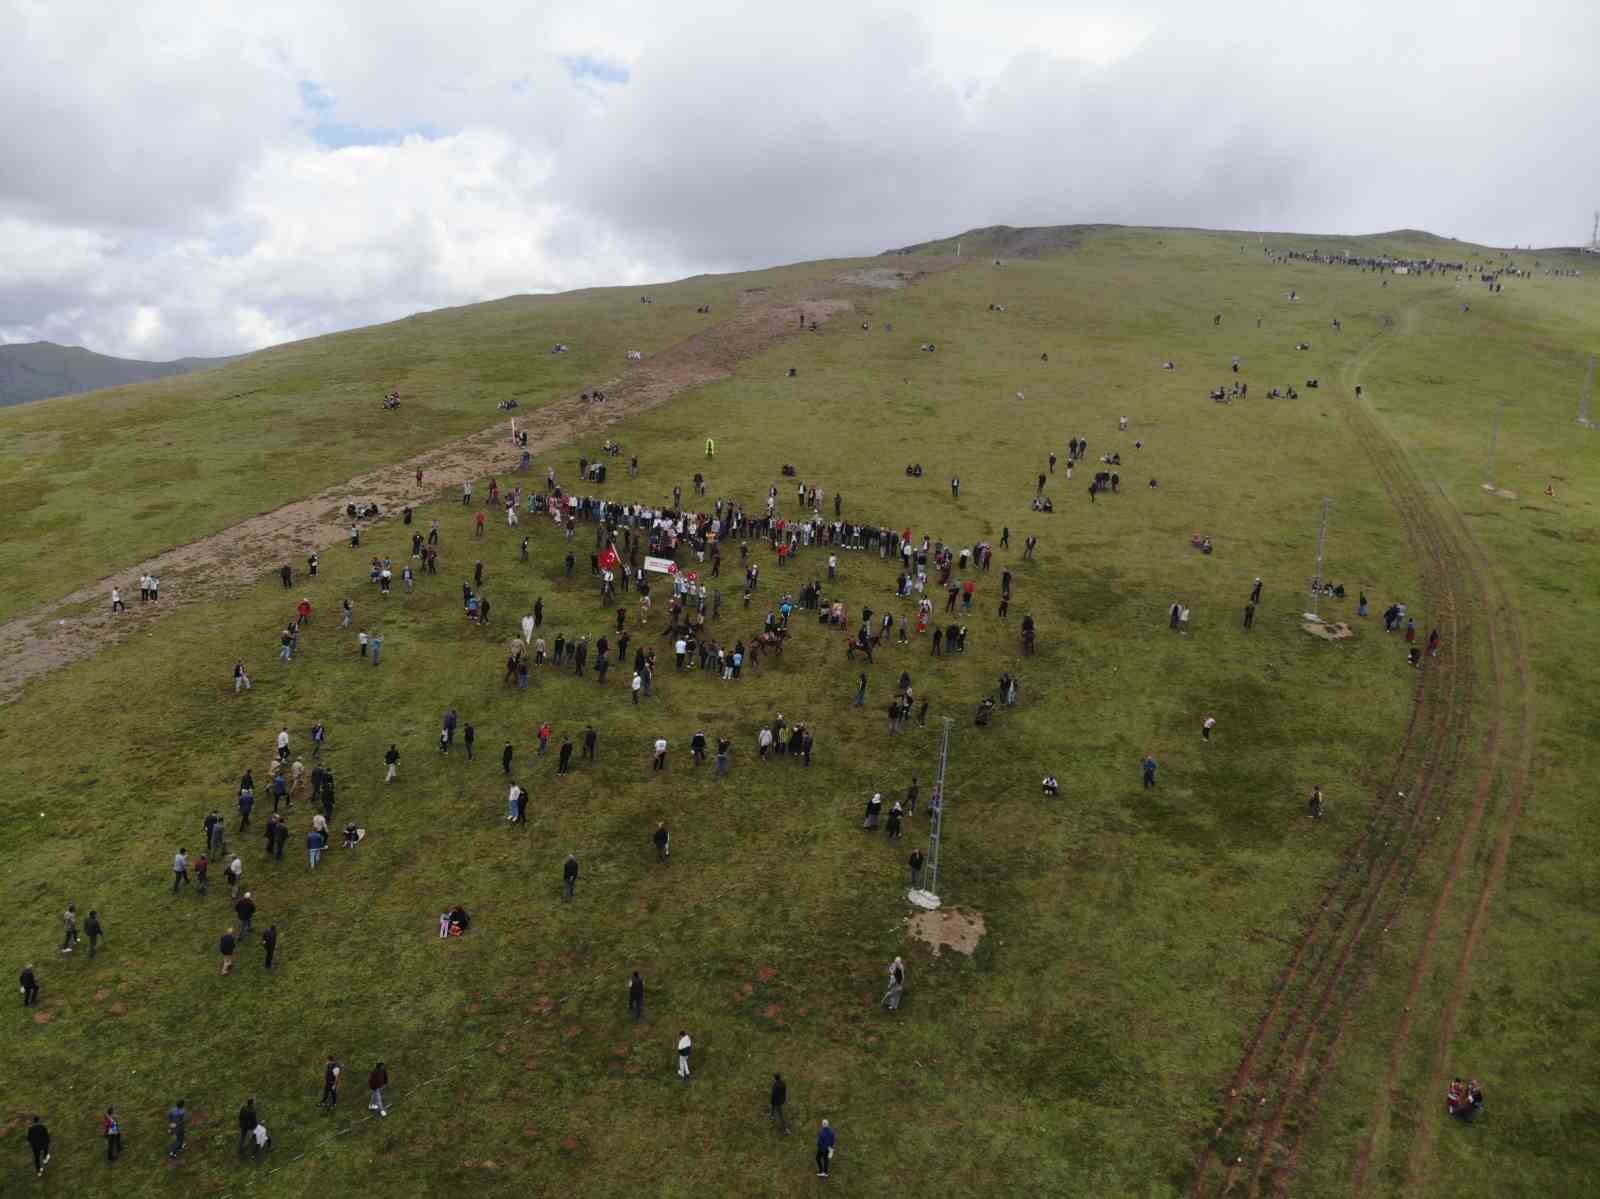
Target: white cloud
[212,171]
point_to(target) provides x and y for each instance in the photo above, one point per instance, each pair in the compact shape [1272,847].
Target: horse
[771,642]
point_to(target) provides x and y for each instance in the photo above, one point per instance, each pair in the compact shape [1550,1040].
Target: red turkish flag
[610,559]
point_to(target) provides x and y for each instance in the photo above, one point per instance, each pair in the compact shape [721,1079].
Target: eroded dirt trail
[224,563]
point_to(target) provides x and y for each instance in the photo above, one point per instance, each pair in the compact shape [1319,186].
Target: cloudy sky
[185,179]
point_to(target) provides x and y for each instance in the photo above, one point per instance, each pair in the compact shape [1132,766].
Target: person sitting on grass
[460,922]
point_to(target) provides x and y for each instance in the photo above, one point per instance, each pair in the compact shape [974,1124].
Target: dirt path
[1270,1102]
[224,563]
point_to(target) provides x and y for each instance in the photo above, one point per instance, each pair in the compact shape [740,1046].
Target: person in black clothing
[636,996]
[916,869]
[468,736]
[1255,593]
[39,1142]
[565,762]
[662,839]
[247,1126]
[269,942]
[246,910]
[569,877]
[280,836]
[330,1084]
[505,758]
[589,739]
[697,747]
[93,930]
[780,1096]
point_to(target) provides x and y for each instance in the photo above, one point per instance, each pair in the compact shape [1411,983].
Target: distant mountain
[39,369]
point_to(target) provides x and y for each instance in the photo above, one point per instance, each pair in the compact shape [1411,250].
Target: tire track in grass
[1308,1010]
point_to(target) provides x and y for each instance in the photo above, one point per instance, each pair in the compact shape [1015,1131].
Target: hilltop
[38,370]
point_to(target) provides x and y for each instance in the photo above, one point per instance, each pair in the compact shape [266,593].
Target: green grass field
[1135,939]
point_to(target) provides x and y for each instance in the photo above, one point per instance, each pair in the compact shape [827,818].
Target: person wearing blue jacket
[825,1139]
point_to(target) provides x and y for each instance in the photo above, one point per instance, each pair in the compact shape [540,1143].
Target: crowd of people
[674,551]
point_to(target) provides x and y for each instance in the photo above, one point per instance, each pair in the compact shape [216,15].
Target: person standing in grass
[636,996]
[916,869]
[228,945]
[663,841]
[724,749]
[778,1097]
[897,985]
[377,647]
[1206,725]
[1149,769]
[69,923]
[506,755]
[376,1081]
[180,869]
[269,942]
[247,1124]
[391,760]
[112,1131]
[590,737]
[94,931]
[315,840]
[330,1084]
[241,680]
[660,754]
[684,1047]
[178,1126]
[39,1142]
[29,983]
[825,1142]
[564,762]
[569,877]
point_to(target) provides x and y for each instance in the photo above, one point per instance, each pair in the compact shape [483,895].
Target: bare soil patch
[880,278]
[1336,631]
[961,931]
[224,563]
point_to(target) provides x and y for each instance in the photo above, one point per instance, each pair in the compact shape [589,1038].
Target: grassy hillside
[41,369]
[90,483]
[1135,938]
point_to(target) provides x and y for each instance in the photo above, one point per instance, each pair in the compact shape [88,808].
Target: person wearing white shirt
[661,754]
[511,801]
[684,1045]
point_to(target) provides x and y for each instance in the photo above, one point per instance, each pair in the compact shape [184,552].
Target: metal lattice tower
[1322,545]
[936,815]
[1585,418]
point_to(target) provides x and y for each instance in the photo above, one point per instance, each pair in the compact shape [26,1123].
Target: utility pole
[1494,440]
[928,896]
[1584,417]
[1322,545]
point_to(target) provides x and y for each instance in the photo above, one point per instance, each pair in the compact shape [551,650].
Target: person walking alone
[376,1081]
[825,1142]
[636,996]
[39,1142]
[111,1129]
[684,1046]
[569,877]
[330,1084]
[779,1096]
